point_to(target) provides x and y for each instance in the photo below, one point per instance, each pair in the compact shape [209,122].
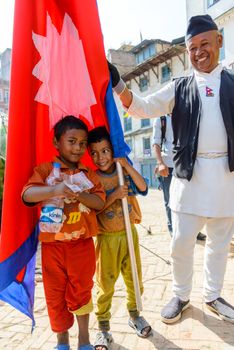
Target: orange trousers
[68,269]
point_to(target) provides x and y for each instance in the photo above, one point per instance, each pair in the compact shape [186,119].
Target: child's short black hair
[66,123]
[98,134]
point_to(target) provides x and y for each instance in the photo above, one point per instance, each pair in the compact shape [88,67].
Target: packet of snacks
[77,182]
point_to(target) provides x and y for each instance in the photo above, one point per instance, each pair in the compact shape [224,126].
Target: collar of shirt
[80,166]
[212,75]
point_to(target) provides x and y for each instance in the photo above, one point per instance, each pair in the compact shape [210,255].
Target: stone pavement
[198,328]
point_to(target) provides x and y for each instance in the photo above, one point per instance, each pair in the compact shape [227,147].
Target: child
[68,258]
[111,246]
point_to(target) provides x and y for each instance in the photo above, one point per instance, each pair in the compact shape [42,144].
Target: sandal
[62,347]
[103,339]
[86,347]
[139,324]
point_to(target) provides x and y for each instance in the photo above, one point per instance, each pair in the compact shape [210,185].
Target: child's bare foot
[63,339]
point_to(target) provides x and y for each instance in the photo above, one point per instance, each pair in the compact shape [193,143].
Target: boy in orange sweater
[68,257]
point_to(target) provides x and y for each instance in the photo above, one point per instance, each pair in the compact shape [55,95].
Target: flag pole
[130,241]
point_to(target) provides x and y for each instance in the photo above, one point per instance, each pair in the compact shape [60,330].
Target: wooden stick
[130,241]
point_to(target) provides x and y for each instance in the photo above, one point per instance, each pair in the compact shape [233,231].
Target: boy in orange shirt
[111,245]
[68,257]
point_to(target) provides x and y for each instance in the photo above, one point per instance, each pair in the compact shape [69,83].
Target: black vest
[186,119]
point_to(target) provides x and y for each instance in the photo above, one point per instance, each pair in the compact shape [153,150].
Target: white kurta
[210,192]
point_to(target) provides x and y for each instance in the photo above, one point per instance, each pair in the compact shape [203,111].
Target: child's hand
[61,190]
[121,192]
[122,161]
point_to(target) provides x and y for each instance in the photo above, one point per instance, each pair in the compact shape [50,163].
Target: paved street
[198,329]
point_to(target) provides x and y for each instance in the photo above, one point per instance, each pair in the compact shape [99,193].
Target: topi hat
[199,24]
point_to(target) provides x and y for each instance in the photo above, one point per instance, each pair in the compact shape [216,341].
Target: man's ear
[55,143]
[220,40]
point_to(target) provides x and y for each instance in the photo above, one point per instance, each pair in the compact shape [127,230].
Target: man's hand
[114,73]
[118,84]
[162,170]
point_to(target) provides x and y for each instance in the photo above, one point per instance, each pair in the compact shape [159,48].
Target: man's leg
[219,234]
[165,184]
[185,228]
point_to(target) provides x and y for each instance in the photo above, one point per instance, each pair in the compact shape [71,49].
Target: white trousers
[219,234]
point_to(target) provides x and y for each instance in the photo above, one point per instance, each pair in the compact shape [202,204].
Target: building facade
[5,67]
[156,62]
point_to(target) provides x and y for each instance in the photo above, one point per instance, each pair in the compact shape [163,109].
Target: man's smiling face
[203,50]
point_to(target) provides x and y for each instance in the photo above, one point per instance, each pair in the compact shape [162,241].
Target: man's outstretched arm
[119,86]
[159,103]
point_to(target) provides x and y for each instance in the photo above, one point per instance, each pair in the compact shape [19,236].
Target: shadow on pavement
[158,341]
[162,343]
[223,329]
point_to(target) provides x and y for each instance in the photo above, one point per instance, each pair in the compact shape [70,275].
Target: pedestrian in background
[162,142]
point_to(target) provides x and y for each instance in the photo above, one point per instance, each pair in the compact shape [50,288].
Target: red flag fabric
[33,110]
[29,133]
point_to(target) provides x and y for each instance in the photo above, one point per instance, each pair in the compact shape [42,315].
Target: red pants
[68,270]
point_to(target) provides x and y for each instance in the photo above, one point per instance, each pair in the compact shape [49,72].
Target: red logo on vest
[209,92]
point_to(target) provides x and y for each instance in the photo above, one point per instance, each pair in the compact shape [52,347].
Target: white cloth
[219,232]
[210,192]
[167,145]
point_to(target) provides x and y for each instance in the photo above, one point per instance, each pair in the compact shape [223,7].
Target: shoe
[201,237]
[173,310]
[141,326]
[103,339]
[222,308]
[86,347]
[62,347]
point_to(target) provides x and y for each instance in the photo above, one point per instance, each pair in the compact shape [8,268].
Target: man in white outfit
[202,188]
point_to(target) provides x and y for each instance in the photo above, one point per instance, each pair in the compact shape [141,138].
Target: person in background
[163,145]
[202,187]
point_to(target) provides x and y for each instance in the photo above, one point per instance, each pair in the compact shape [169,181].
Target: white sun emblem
[66,86]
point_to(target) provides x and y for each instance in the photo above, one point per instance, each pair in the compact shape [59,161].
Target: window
[144,83]
[146,53]
[129,143]
[145,122]
[222,49]
[139,57]
[146,146]
[211,2]
[166,73]
[152,50]
[6,96]
[127,123]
